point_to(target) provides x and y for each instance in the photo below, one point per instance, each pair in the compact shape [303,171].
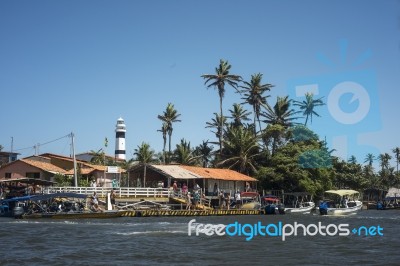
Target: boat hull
[342,211]
[75,215]
[300,210]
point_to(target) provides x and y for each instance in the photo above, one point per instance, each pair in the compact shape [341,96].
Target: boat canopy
[343,192]
[23,198]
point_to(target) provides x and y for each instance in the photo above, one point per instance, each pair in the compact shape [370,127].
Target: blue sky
[77,66]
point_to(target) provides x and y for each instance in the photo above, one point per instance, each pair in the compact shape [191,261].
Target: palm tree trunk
[169,147]
[221,126]
[165,144]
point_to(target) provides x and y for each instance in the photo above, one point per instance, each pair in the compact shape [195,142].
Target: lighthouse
[120,130]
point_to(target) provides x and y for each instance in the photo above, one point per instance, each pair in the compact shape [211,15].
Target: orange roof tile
[48,167]
[222,174]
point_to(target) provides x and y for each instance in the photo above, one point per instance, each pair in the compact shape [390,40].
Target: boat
[340,202]
[298,203]
[250,201]
[61,206]
[271,204]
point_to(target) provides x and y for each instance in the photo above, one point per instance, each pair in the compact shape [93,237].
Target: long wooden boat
[75,215]
[61,206]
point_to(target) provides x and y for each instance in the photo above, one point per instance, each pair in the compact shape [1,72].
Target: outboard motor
[18,211]
[270,209]
[323,208]
[281,209]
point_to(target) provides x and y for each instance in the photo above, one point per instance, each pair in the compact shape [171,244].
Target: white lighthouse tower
[120,130]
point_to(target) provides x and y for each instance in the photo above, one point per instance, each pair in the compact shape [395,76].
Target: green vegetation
[269,143]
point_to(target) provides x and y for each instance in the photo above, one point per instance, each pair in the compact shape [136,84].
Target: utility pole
[73,156]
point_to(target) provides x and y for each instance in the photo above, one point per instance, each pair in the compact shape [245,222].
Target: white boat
[341,202]
[298,203]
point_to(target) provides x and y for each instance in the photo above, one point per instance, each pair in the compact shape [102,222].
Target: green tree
[281,113]
[164,131]
[204,151]
[184,154]
[169,116]
[308,106]
[396,152]
[145,155]
[98,157]
[219,124]
[241,150]
[369,158]
[253,93]
[218,81]
[238,115]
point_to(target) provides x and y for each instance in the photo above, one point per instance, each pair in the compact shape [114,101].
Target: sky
[77,66]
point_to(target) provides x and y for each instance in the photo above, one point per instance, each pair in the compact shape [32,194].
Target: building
[37,168]
[209,179]
[7,157]
[47,165]
[120,130]
[88,156]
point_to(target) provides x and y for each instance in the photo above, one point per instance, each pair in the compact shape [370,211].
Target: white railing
[122,192]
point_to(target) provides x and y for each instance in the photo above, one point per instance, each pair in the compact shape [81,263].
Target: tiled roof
[48,167]
[175,171]
[221,174]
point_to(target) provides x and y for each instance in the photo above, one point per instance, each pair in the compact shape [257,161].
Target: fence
[122,192]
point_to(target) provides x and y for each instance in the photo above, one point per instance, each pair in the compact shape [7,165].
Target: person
[112,198]
[160,186]
[196,198]
[188,201]
[237,199]
[228,201]
[221,199]
[184,189]
[94,198]
[248,187]
[215,190]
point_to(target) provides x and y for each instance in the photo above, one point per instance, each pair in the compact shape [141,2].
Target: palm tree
[369,158]
[238,114]
[281,114]
[253,94]
[205,152]
[352,160]
[169,116]
[98,157]
[164,130]
[144,154]
[384,161]
[241,149]
[308,106]
[396,152]
[184,153]
[218,81]
[218,123]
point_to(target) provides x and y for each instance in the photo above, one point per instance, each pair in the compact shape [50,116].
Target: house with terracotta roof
[46,165]
[209,179]
[38,169]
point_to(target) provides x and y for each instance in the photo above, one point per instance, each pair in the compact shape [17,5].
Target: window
[33,175]
[7,175]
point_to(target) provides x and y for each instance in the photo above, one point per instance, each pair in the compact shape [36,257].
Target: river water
[166,241]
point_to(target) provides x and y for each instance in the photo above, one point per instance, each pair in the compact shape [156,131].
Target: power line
[42,144]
